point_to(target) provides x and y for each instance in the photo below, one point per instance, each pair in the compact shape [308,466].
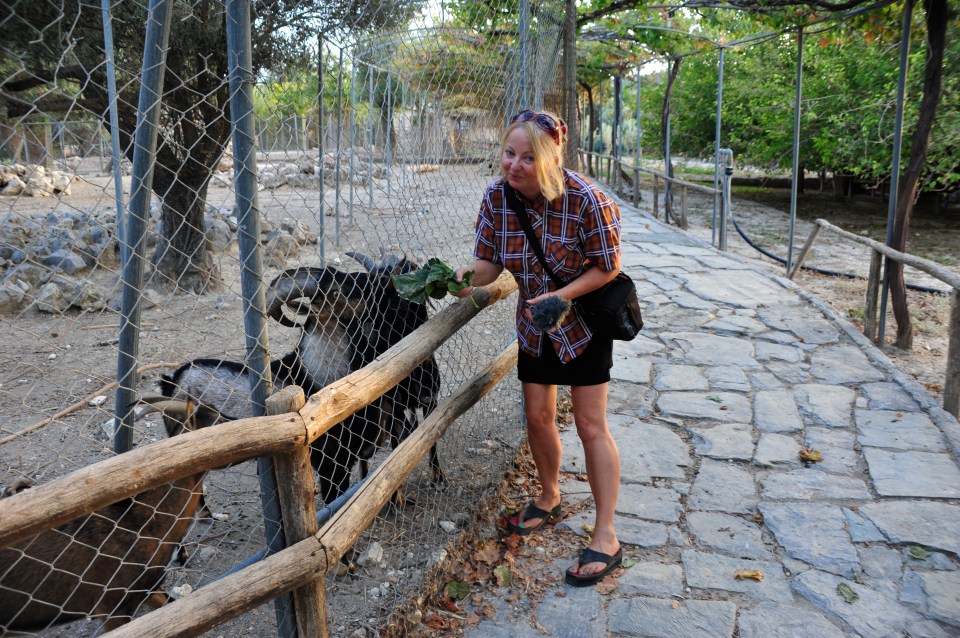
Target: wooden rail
[289,435]
[307,561]
[657,176]
[951,387]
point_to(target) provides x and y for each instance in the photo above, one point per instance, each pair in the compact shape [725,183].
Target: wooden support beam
[873,295]
[298,509]
[951,387]
[803,252]
[309,559]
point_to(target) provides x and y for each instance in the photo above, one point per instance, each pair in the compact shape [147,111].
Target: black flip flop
[532,511]
[575,578]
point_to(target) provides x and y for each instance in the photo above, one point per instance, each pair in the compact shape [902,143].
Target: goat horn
[365,261]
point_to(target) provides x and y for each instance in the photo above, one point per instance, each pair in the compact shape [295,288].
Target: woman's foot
[594,565]
[537,514]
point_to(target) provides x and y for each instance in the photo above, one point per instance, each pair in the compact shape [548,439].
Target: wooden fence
[612,167]
[287,436]
[951,386]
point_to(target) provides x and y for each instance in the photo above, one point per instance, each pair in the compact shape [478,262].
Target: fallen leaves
[848,594]
[918,553]
[811,456]
[748,574]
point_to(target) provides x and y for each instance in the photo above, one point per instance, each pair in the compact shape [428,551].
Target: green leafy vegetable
[433,280]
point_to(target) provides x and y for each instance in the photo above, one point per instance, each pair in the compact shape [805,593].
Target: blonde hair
[547,155]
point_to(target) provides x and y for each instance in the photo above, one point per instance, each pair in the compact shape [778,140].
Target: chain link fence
[376,131]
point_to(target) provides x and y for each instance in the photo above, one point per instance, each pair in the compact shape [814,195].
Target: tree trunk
[182,259]
[936,11]
[664,133]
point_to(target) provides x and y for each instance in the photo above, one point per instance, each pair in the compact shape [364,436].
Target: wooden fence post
[873,289]
[683,207]
[299,514]
[951,386]
[636,186]
[656,197]
[803,252]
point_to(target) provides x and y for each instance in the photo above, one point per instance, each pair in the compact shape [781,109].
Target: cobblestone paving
[735,372]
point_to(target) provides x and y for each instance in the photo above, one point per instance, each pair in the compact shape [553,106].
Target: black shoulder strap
[517,206]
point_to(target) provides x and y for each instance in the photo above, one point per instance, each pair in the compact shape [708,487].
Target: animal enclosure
[368,148]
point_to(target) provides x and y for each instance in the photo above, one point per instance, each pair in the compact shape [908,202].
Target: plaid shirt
[578,230]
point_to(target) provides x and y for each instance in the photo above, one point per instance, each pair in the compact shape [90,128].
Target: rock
[66,261]
[814,533]
[50,299]
[13,187]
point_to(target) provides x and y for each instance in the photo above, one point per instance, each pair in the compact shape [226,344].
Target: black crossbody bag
[612,310]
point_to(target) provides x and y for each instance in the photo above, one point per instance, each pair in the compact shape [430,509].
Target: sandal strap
[533,511]
[593,556]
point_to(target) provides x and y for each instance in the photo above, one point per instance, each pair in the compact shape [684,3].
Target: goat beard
[549,313]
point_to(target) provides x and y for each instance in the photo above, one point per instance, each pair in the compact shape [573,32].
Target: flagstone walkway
[735,372]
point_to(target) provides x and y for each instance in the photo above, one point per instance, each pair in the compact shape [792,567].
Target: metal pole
[114,122]
[373,138]
[387,143]
[895,169]
[716,146]
[796,150]
[524,51]
[339,132]
[616,132]
[726,156]
[239,56]
[131,280]
[353,137]
[320,168]
[637,153]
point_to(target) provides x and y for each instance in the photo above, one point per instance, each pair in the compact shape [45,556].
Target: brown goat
[104,565]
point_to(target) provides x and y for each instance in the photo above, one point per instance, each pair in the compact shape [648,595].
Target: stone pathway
[735,372]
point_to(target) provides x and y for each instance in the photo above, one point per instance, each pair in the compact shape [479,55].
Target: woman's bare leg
[603,466]
[540,403]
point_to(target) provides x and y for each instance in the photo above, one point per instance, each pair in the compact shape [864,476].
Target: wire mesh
[377,127]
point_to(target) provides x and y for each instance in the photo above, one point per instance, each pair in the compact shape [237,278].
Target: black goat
[346,321]
[106,564]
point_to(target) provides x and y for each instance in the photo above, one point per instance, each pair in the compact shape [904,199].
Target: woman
[579,230]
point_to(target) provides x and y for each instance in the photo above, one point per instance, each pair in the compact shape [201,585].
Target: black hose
[821,271]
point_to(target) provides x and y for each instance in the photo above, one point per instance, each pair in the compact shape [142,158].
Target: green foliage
[433,280]
[850,72]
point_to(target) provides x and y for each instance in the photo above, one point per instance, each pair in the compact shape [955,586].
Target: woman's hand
[466,291]
[484,272]
[535,300]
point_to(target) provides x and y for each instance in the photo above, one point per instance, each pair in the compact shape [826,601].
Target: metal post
[114,122]
[637,153]
[339,132]
[353,138]
[895,169]
[239,56]
[524,52]
[796,150]
[716,146]
[388,147]
[373,138]
[616,132]
[159,16]
[726,155]
[322,154]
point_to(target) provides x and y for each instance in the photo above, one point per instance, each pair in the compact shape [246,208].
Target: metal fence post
[131,279]
[251,274]
[727,156]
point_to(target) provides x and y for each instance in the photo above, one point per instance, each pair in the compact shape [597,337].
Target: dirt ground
[57,366]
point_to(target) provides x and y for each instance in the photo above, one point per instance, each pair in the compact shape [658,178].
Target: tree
[936,11]
[58,46]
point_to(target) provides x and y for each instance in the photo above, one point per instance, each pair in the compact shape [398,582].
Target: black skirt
[592,367]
